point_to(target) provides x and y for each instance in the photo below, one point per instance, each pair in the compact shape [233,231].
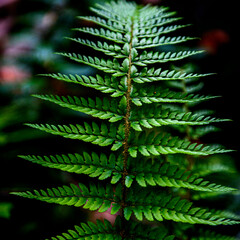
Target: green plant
[147,180]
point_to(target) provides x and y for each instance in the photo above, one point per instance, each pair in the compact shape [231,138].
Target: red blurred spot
[213,39]
[12,74]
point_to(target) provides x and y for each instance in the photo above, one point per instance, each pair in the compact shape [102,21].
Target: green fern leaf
[93,165]
[169,175]
[103,109]
[155,16]
[226,214]
[155,31]
[111,25]
[156,116]
[102,136]
[205,169]
[115,8]
[91,231]
[108,66]
[151,75]
[112,14]
[104,230]
[92,198]
[105,85]
[155,57]
[209,235]
[158,95]
[150,144]
[111,50]
[200,132]
[162,206]
[161,41]
[158,22]
[141,232]
[103,33]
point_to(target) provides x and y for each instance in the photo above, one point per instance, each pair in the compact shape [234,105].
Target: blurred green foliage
[5,209]
[31,32]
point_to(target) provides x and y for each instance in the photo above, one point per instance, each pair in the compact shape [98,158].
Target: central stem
[127,134]
[190,159]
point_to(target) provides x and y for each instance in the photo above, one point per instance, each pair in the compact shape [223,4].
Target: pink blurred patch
[5,25]
[47,22]
[12,74]
[18,49]
[101,216]
[4,3]
[213,39]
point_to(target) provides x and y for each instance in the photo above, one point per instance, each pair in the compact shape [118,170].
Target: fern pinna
[146,180]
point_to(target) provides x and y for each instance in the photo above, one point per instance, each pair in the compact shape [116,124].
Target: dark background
[30,32]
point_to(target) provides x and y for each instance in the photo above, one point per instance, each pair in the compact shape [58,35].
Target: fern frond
[103,109]
[149,12]
[154,16]
[210,235]
[125,26]
[151,75]
[194,88]
[103,167]
[158,23]
[155,31]
[111,25]
[104,84]
[111,50]
[204,169]
[169,175]
[100,230]
[144,187]
[92,198]
[226,214]
[105,230]
[108,66]
[161,41]
[155,94]
[102,136]
[93,165]
[103,33]
[156,57]
[189,85]
[200,132]
[163,206]
[112,14]
[156,116]
[213,195]
[150,144]
[141,232]
[116,8]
